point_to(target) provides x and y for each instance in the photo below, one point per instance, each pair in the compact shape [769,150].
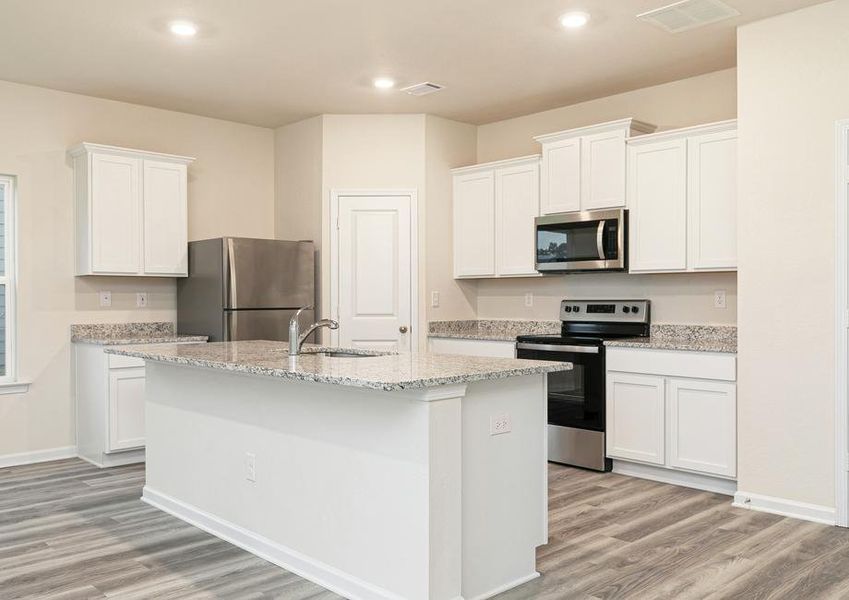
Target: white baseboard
[37,456]
[506,586]
[322,574]
[717,485]
[117,459]
[786,508]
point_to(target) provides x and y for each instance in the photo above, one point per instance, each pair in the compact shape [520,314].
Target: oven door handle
[599,239]
[558,348]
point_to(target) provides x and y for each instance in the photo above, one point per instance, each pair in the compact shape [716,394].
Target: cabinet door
[115,214]
[561,176]
[516,206]
[126,408]
[657,199]
[635,417]
[712,197]
[165,218]
[603,170]
[703,426]
[474,225]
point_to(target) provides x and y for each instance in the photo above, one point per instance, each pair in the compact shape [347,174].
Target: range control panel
[620,311]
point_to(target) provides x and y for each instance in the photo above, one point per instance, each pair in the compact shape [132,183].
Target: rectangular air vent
[688,14]
[423,89]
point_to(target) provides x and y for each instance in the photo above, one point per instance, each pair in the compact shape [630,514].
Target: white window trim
[9,383]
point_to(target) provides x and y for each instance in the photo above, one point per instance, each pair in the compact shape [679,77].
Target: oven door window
[576,397]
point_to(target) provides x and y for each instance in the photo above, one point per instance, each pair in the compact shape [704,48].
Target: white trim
[683,132]
[707,483]
[37,456]
[14,387]
[841,321]
[322,574]
[85,147]
[507,586]
[9,279]
[629,124]
[784,507]
[509,162]
[415,321]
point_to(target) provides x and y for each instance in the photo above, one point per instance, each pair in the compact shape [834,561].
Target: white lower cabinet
[126,408]
[658,417]
[702,426]
[635,417]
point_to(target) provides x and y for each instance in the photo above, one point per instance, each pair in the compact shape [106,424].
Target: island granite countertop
[376,370]
[108,334]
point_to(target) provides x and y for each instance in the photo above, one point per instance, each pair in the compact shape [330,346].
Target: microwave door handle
[599,240]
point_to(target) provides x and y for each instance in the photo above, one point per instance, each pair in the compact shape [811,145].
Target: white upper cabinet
[682,200]
[494,209]
[584,169]
[131,211]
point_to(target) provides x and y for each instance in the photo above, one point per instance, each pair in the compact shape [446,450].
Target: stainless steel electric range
[576,398]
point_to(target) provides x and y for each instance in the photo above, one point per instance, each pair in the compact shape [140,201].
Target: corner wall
[792,88]
[231,191]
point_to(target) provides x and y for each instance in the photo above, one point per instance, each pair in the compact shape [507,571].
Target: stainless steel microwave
[583,241]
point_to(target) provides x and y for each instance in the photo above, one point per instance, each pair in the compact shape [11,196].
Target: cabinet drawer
[674,363]
[122,362]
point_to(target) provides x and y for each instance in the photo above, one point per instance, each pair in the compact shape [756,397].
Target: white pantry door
[374,270]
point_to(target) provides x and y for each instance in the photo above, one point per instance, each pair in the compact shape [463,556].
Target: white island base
[369,493]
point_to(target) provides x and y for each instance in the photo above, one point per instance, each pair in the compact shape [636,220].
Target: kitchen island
[403,476]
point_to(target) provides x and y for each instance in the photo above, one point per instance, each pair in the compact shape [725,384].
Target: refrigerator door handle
[231,274]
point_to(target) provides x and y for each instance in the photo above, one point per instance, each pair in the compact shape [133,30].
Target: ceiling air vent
[423,89]
[688,14]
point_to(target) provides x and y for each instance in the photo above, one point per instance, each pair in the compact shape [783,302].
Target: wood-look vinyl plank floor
[71,531]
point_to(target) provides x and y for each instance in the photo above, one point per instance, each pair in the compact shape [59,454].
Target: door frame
[841,461]
[333,224]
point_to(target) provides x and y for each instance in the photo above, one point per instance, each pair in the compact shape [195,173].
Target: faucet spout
[297,339]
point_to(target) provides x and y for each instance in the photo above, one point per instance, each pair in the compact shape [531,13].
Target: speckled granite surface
[129,333]
[377,371]
[697,338]
[491,329]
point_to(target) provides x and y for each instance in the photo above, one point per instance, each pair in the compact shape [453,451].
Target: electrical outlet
[250,466]
[719,299]
[434,299]
[141,299]
[105,299]
[500,424]
[529,299]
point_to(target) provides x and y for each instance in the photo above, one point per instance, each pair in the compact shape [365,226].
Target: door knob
[403,329]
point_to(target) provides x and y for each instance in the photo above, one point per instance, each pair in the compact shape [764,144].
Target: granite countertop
[381,371]
[500,330]
[694,338]
[107,334]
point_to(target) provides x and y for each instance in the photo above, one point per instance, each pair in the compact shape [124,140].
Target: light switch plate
[434,299]
[141,299]
[105,299]
[529,299]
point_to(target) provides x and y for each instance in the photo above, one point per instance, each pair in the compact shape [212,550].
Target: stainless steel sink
[343,354]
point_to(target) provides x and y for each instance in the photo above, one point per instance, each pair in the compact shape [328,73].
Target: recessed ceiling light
[384,83]
[183,28]
[574,20]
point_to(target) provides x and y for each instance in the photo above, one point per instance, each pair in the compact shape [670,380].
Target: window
[7,280]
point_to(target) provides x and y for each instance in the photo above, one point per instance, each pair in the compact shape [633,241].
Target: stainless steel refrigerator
[245,289]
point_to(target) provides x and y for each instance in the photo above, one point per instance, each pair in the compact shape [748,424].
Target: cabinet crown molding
[88,147]
[629,124]
[683,132]
[509,162]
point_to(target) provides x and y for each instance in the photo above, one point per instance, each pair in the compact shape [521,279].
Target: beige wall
[792,89]
[448,144]
[230,192]
[678,298]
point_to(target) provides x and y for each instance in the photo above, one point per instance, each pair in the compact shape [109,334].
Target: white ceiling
[271,62]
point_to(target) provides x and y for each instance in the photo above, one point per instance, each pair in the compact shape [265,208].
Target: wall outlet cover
[529,299]
[141,299]
[105,299]
[500,424]
[434,299]
[250,466]
[719,299]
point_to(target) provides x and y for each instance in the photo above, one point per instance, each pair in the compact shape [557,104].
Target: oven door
[576,397]
[585,241]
